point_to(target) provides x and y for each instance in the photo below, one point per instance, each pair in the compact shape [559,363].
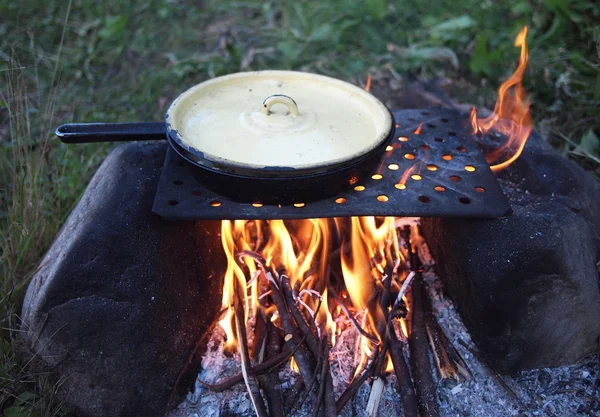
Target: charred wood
[304,358]
[448,361]
[311,338]
[251,384]
[272,386]
[419,354]
[403,380]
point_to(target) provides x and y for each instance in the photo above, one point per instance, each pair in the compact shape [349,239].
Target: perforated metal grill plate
[432,168]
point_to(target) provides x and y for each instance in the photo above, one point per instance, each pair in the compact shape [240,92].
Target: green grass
[126,61]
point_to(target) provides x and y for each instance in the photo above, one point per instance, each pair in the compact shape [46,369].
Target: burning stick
[308,389]
[330,410]
[304,359]
[421,368]
[311,339]
[270,364]
[352,319]
[260,336]
[381,327]
[404,382]
[257,401]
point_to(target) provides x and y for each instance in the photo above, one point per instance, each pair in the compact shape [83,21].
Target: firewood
[322,384]
[260,336]
[311,338]
[447,359]
[375,397]
[352,319]
[419,355]
[403,380]
[251,384]
[272,387]
[304,358]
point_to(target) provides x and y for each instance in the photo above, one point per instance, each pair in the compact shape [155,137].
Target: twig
[403,380]
[447,359]
[425,387]
[304,359]
[323,376]
[272,388]
[353,320]
[311,339]
[260,336]
[260,369]
[257,401]
[259,259]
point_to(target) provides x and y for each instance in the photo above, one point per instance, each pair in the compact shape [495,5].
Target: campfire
[325,294]
[293,289]
[335,304]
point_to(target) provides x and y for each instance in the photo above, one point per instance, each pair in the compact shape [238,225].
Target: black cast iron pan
[213,160]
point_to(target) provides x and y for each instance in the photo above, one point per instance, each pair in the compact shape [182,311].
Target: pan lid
[277,121]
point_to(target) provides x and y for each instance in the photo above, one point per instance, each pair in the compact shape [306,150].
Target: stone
[122,297]
[527,285]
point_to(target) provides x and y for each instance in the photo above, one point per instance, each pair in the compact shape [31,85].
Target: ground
[126,61]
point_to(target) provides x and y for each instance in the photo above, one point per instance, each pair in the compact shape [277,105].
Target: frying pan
[270,137]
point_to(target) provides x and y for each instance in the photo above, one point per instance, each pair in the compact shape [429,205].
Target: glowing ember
[511,116]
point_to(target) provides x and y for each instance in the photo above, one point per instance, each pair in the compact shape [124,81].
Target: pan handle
[111,132]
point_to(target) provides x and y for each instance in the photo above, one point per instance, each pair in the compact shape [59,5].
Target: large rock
[527,285]
[122,297]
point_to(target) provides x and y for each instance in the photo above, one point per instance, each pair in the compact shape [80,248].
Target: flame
[511,116]
[415,168]
[368,86]
[369,253]
[229,232]
[419,129]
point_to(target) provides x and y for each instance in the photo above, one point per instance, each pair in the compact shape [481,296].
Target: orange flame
[511,116]
[419,129]
[370,251]
[368,86]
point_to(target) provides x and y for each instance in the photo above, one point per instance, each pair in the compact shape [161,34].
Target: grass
[126,61]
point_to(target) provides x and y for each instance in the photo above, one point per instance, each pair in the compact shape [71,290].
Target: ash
[558,392]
